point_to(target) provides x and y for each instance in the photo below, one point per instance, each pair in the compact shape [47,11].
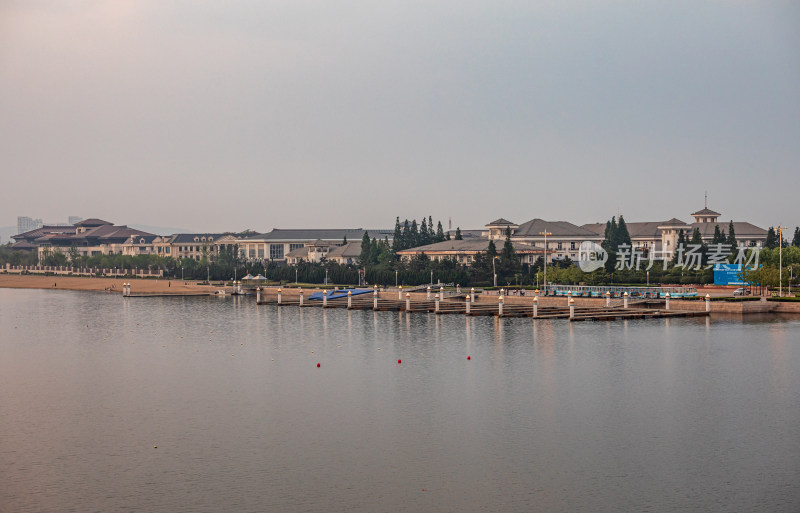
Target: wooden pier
[482,306]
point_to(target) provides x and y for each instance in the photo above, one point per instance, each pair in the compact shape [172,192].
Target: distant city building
[26,224]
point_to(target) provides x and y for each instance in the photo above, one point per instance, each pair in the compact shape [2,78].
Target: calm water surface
[653,415]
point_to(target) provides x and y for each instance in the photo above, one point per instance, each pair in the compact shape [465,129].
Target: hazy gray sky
[258,114]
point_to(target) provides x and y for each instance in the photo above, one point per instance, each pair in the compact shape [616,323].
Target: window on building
[560,246]
[292,247]
[276,251]
[260,252]
[252,253]
[571,245]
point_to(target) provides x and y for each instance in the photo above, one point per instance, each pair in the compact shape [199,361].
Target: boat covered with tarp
[339,293]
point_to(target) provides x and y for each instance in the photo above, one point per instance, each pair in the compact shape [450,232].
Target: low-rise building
[464,251]
[85,238]
[278,244]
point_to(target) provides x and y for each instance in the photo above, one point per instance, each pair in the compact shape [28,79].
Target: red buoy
[399,360]
[317,365]
[469,358]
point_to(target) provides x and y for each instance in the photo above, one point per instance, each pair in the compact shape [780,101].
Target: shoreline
[84,283]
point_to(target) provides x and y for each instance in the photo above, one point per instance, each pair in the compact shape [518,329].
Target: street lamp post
[395,278]
[545,233]
[326,277]
[295,275]
[431,277]
[494,271]
[780,261]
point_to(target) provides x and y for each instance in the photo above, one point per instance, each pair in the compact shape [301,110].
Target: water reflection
[547,415]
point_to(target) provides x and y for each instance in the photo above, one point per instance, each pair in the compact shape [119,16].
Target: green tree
[458,234]
[423,233]
[491,251]
[796,239]
[397,238]
[365,258]
[731,240]
[439,233]
[772,239]
[718,236]
[622,235]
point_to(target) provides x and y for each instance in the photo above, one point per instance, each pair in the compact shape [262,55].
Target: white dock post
[468,304]
[666,301]
[500,304]
[279,296]
[708,303]
[436,298]
[536,306]
[258,295]
[408,301]
[349,299]
[458,288]
[608,299]
[400,293]
[472,294]
[375,298]
[324,299]
[429,293]
[301,297]
[569,296]
[625,300]
[571,308]
[441,293]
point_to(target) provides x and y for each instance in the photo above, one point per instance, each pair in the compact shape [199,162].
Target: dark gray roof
[92,222]
[648,229]
[312,234]
[501,222]
[706,212]
[535,227]
[187,238]
[44,230]
[743,230]
[466,245]
[349,250]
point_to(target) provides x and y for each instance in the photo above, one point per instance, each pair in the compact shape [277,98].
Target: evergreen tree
[622,235]
[731,240]
[439,233]
[344,239]
[458,233]
[431,232]
[509,263]
[374,251]
[718,237]
[697,239]
[365,258]
[491,251]
[397,238]
[681,243]
[414,236]
[772,239]
[406,236]
[423,232]
[447,236]
[610,237]
[796,239]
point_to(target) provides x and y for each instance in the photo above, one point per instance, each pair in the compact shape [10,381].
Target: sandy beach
[138,286]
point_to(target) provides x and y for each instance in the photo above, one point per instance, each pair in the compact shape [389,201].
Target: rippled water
[653,415]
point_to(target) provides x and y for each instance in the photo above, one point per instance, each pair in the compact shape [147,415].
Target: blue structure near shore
[728,274]
[340,293]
